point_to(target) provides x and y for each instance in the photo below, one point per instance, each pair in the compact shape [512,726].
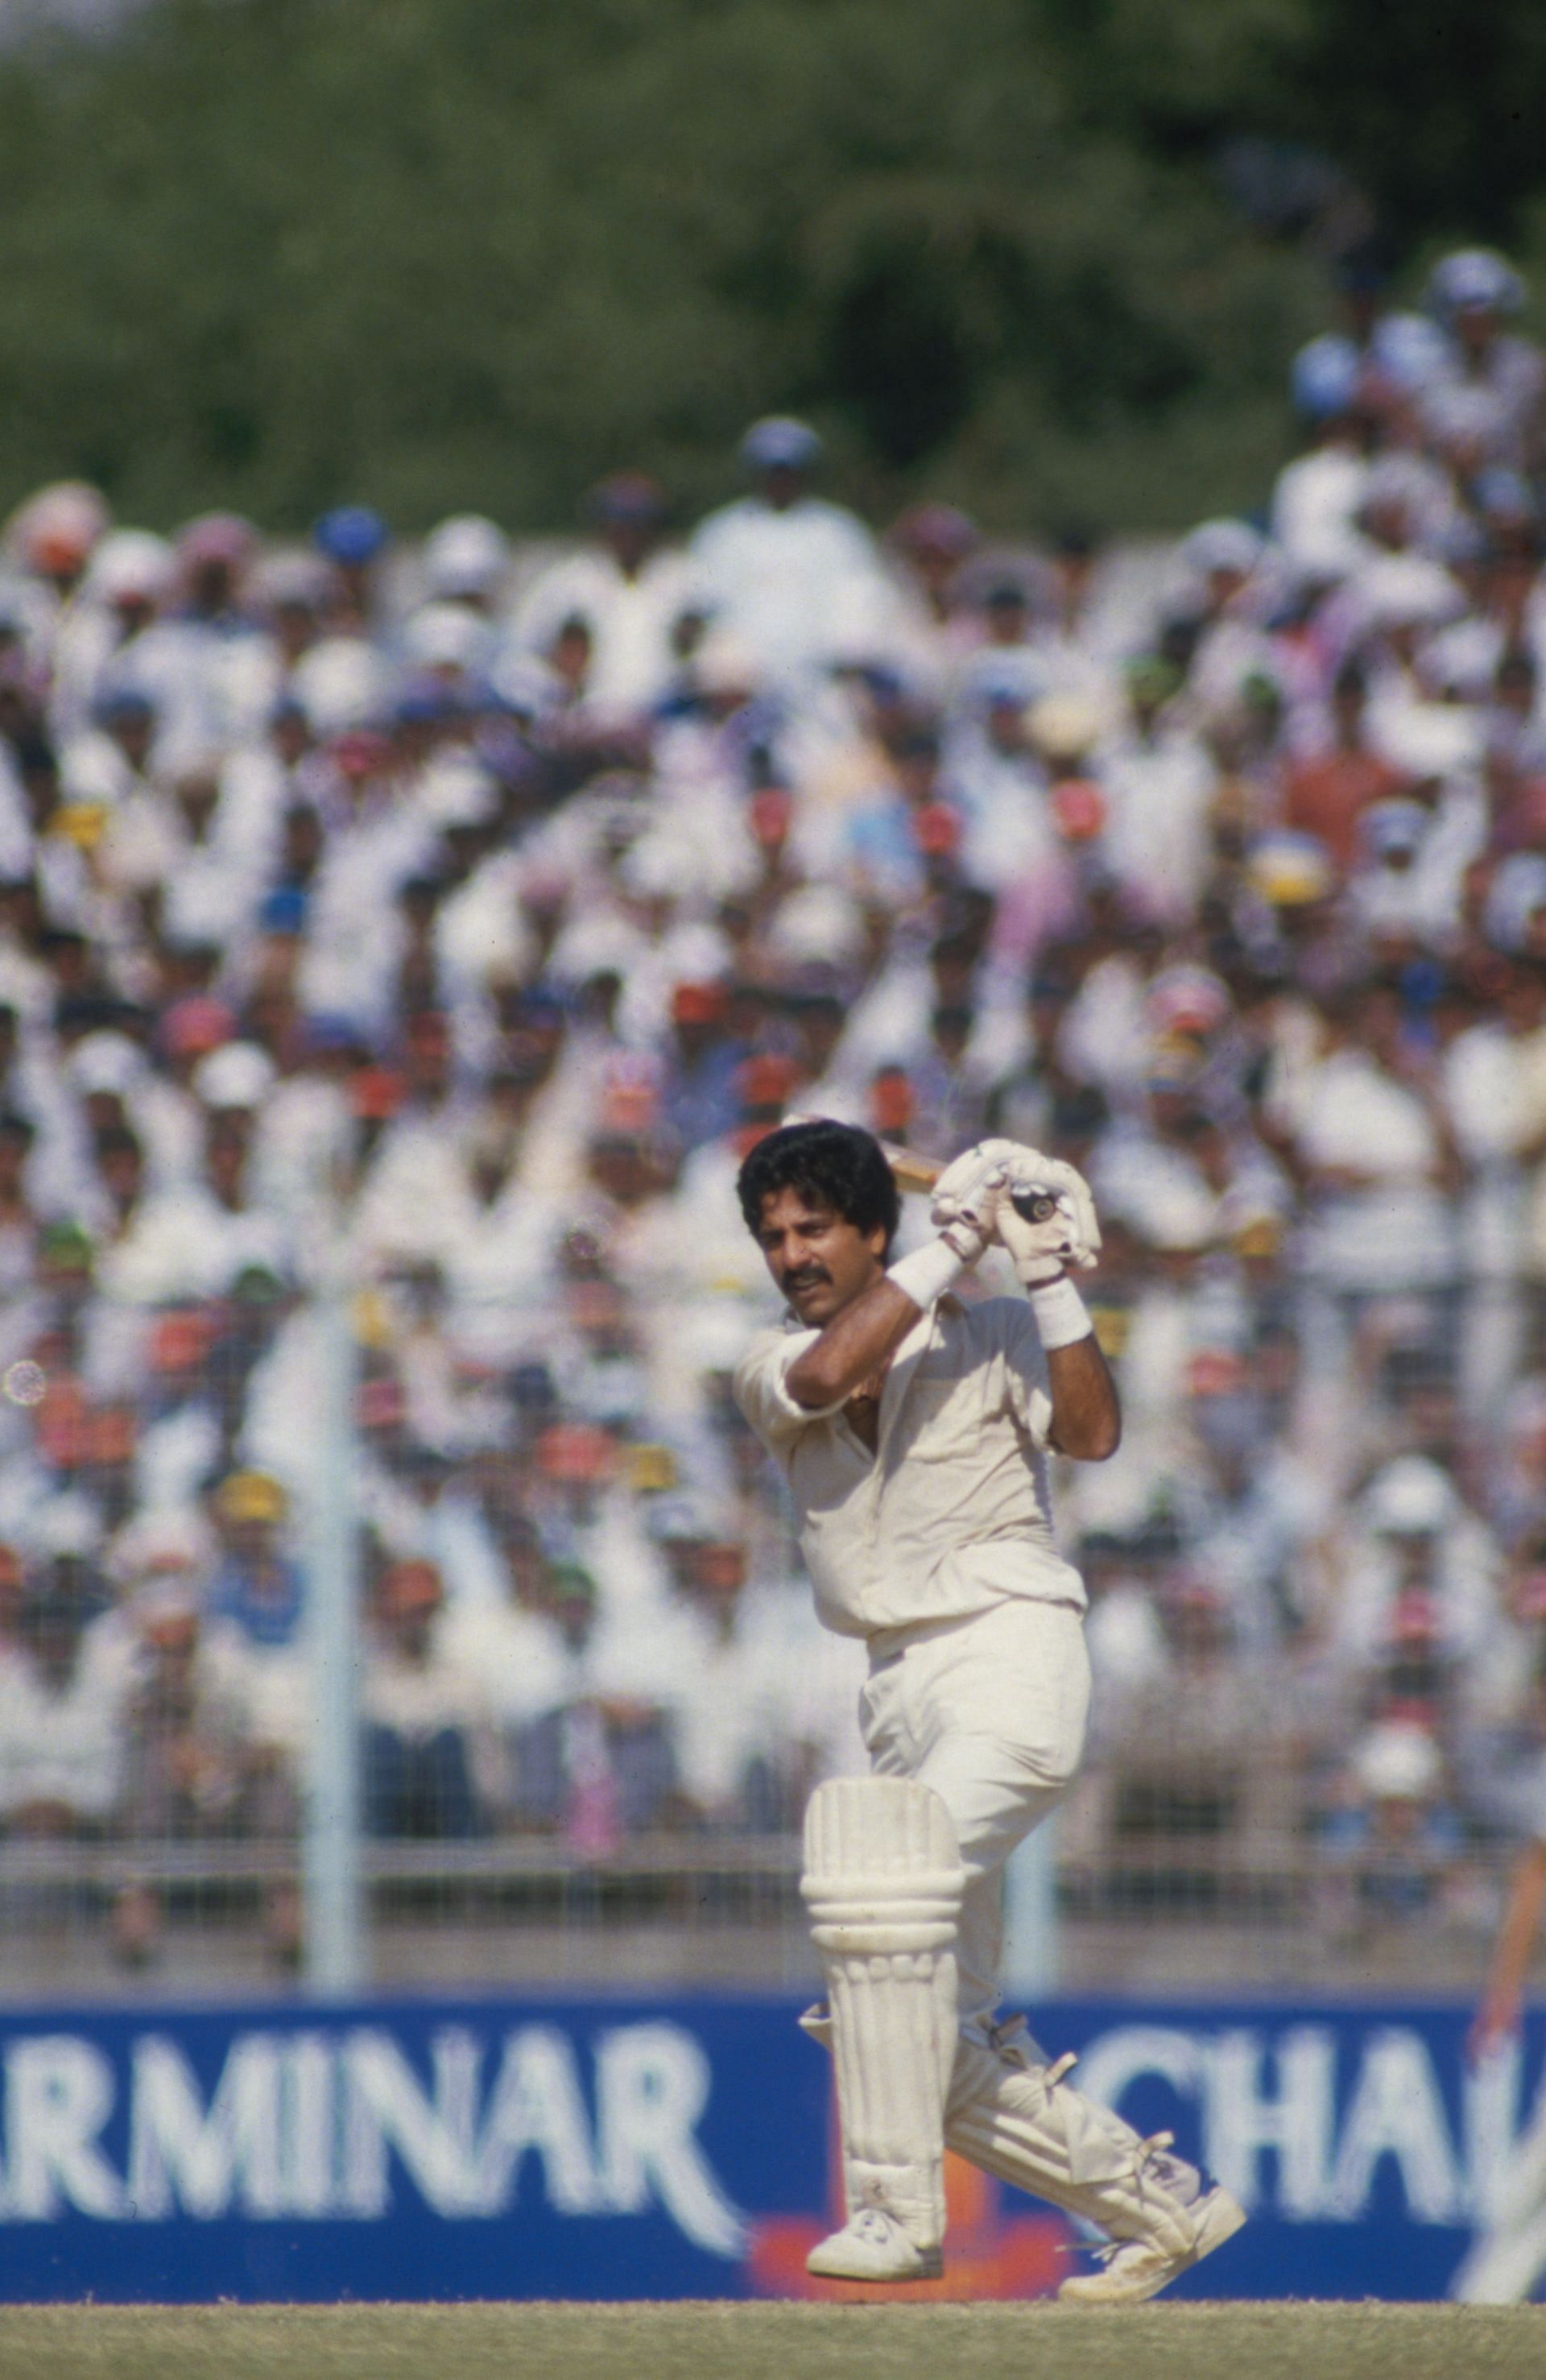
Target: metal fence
[350,1638]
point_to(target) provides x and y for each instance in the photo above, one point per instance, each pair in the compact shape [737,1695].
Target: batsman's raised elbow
[1105,1441]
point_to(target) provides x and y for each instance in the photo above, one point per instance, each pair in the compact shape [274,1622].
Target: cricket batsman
[914,1430]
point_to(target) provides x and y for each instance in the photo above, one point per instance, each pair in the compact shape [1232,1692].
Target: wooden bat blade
[912,1169]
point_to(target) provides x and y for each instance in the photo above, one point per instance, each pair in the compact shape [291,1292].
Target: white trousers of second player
[990,1712]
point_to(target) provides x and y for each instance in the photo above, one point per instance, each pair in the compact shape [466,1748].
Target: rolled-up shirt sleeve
[761,1388]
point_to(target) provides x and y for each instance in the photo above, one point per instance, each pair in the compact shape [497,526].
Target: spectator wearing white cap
[1472,294]
[783,569]
[1391,1847]
[192,1769]
[129,580]
[1411,1530]
[466,561]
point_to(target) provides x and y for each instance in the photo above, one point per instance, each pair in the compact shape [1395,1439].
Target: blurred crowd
[446,920]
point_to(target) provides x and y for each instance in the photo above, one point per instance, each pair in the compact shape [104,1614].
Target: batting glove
[966,1197]
[1046,1217]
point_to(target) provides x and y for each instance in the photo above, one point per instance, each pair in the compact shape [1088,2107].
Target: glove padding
[1067,1239]
[966,1198]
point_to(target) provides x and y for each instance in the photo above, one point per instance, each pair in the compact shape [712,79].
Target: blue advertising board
[607,2148]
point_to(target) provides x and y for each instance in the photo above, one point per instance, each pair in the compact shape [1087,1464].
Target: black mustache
[804,1279]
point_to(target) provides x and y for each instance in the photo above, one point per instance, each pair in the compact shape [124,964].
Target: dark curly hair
[835,1165]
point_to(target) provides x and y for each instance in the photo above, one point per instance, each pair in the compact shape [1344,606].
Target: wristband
[1061,1314]
[928,1272]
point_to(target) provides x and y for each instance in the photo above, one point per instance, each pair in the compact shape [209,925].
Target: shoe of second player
[1135,2269]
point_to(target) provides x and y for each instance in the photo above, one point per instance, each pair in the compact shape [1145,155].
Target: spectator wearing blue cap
[630,588]
[1315,503]
[111,760]
[793,578]
[354,538]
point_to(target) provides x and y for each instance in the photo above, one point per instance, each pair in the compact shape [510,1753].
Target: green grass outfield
[772,2342]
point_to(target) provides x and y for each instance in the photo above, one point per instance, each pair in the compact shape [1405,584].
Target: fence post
[335,1949]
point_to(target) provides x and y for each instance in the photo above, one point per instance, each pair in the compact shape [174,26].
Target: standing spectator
[793,578]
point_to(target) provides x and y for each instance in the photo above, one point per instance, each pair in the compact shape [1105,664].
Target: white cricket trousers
[990,1711]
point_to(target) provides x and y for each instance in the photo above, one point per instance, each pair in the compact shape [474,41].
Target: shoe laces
[1007,2041]
[1147,2158]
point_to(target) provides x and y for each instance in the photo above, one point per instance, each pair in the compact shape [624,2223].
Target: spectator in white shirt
[630,590]
[62,1742]
[784,572]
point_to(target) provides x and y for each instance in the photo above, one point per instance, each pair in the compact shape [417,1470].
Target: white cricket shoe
[872,2246]
[1135,2269]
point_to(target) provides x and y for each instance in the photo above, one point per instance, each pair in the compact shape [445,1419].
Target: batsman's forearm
[1086,1417]
[854,1345]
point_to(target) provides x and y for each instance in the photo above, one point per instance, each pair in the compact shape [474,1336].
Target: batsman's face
[819,1260]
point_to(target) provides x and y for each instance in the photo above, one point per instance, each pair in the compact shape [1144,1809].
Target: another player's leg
[1505,2265]
[883,1884]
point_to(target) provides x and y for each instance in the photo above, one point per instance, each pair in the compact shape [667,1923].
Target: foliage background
[1049,257]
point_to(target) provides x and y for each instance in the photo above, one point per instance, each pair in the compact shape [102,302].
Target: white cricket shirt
[952,1514]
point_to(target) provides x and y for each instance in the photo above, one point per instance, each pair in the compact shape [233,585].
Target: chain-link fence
[379,1634]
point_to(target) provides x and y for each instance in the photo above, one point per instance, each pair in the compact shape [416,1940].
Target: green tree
[437,254]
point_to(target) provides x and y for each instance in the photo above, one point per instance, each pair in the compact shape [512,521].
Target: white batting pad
[883,1883]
